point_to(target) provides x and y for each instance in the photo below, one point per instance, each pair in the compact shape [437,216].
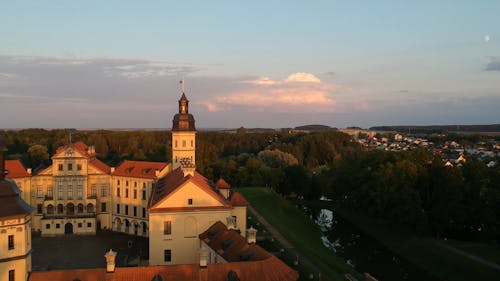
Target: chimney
[2,158]
[251,235]
[203,251]
[29,171]
[110,261]
[157,173]
[231,222]
[112,169]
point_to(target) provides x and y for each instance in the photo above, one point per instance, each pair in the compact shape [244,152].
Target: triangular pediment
[68,153]
[190,189]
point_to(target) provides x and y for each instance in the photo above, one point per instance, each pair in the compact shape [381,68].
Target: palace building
[15,228]
[197,230]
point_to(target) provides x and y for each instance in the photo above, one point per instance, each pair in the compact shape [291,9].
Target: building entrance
[68,228]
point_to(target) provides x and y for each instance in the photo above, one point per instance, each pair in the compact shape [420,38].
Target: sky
[273,64]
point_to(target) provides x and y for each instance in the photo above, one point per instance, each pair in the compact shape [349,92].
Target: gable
[189,190]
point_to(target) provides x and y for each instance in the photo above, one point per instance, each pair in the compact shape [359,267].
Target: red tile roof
[222,184]
[11,204]
[231,245]
[271,269]
[238,200]
[98,164]
[15,169]
[139,169]
[175,179]
[81,147]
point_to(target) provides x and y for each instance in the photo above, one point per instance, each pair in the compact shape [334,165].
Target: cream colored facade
[183,147]
[130,203]
[15,245]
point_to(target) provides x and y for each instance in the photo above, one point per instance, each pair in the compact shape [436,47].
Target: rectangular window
[103,207]
[117,208]
[118,192]
[70,192]
[89,224]
[58,225]
[126,192]
[190,201]
[79,192]
[47,226]
[12,275]
[11,242]
[183,143]
[192,143]
[167,227]
[60,192]
[135,184]
[104,191]
[126,210]
[167,255]
[60,167]
[175,143]
[93,191]
[79,167]
[143,212]
[39,192]
[39,208]
[70,167]
[80,225]
[143,194]
[135,193]
[49,191]
[135,211]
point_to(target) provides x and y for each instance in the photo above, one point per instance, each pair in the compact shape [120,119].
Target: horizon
[249,64]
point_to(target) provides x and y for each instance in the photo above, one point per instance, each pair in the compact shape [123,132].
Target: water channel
[361,251]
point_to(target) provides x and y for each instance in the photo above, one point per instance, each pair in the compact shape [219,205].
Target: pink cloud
[299,92]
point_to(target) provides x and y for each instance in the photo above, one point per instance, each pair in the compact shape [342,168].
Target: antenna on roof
[69,137]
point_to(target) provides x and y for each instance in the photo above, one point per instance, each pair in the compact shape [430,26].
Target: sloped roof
[222,184]
[271,269]
[11,204]
[15,169]
[175,179]
[231,245]
[80,146]
[139,169]
[98,164]
[238,200]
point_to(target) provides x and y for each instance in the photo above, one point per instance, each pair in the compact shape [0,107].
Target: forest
[412,189]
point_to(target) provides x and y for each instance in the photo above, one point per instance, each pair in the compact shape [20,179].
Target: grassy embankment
[424,252]
[297,229]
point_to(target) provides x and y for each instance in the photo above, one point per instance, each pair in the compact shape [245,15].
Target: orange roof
[231,245]
[175,179]
[139,169]
[271,269]
[222,184]
[15,169]
[78,146]
[238,200]
[98,164]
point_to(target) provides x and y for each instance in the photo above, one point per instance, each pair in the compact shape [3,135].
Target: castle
[191,223]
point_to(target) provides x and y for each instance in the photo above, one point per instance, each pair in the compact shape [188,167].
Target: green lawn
[490,252]
[423,252]
[297,229]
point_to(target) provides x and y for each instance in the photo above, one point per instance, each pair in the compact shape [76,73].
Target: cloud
[493,64]
[299,92]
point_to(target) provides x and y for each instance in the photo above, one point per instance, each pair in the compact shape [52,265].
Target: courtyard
[79,251]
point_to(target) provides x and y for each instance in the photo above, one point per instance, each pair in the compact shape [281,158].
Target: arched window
[70,209]
[80,208]
[60,208]
[90,208]
[50,209]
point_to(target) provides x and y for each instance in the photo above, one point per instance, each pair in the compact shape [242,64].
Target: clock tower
[183,136]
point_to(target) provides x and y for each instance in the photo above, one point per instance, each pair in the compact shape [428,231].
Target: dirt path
[287,245]
[470,256]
